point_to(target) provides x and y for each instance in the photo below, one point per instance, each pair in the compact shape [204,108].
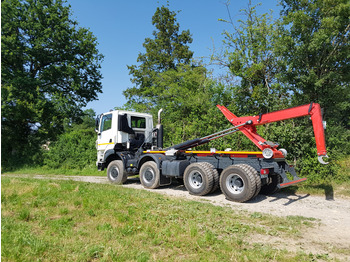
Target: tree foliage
[301,57]
[50,69]
[250,58]
[168,50]
[314,44]
[76,147]
[167,77]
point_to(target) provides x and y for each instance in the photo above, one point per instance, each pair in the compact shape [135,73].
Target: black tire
[198,178]
[257,178]
[116,173]
[238,183]
[272,186]
[150,175]
[216,179]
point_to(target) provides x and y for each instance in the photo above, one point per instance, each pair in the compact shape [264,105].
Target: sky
[121,27]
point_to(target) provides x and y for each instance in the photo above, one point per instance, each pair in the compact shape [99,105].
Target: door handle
[110,140]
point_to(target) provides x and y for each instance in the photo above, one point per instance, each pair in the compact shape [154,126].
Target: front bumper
[100,166]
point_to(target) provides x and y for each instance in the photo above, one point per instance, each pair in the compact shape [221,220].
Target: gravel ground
[330,235]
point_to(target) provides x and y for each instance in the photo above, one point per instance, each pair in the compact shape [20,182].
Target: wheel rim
[235,184]
[195,179]
[114,173]
[149,174]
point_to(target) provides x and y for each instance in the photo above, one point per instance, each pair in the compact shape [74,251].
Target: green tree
[315,48]
[50,69]
[305,55]
[167,77]
[253,73]
[167,51]
[86,120]
[186,100]
[250,58]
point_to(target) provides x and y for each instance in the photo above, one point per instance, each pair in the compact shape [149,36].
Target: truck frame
[128,145]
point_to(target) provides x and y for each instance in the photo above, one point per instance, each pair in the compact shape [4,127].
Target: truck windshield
[106,122]
[138,122]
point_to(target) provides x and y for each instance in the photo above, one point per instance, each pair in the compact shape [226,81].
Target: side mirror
[97,123]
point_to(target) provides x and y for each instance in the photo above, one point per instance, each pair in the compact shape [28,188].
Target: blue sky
[122,26]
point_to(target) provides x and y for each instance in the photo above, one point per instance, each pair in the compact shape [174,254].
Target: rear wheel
[272,186]
[150,175]
[216,179]
[238,183]
[257,178]
[116,173]
[198,178]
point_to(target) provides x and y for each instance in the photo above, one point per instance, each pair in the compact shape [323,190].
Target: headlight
[267,153]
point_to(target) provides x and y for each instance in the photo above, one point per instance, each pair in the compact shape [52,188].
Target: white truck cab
[121,130]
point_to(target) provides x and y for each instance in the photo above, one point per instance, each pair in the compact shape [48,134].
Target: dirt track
[333,231]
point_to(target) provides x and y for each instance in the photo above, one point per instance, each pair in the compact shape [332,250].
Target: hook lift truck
[127,145]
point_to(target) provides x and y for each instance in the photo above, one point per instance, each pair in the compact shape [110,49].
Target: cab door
[105,139]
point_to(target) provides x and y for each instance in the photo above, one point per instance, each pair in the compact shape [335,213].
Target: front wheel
[238,183]
[116,173]
[150,175]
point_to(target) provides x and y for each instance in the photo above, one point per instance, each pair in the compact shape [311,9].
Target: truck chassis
[240,175]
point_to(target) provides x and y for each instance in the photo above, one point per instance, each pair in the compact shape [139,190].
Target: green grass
[45,220]
[89,171]
[329,188]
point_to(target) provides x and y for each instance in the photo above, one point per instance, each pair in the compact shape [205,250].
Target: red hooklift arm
[313,109]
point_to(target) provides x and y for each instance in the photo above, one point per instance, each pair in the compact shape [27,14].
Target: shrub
[74,149]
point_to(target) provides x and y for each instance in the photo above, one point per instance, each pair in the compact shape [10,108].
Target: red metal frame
[313,109]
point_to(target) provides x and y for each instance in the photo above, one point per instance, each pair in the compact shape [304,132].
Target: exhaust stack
[159,127]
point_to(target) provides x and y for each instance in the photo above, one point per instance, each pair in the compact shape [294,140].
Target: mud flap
[286,181]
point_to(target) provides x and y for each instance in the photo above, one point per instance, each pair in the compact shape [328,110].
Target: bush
[297,137]
[74,149]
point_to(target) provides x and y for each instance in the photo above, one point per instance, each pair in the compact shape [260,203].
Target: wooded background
[50,70]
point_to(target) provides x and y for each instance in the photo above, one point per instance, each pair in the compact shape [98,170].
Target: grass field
[89,171]
[340,188]
[45,220]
